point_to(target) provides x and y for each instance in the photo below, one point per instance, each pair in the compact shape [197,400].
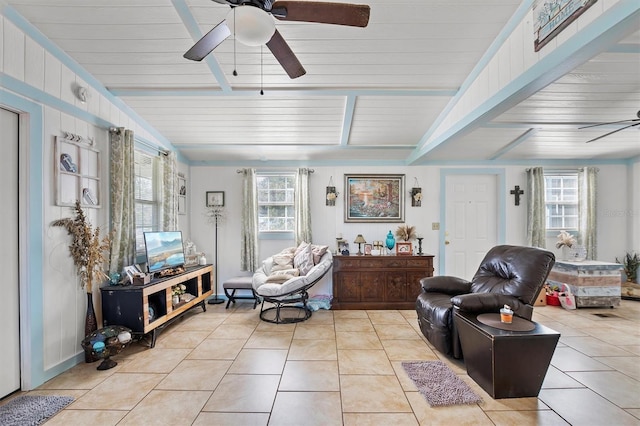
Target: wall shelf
[77,172]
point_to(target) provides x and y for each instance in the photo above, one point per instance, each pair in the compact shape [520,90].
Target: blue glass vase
[391,241]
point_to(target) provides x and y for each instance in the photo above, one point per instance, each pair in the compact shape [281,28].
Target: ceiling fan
[261,27]
[634,122]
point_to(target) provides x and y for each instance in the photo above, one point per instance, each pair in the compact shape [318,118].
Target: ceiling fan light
[253,26]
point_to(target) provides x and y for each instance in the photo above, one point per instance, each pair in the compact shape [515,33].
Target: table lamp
[359,240]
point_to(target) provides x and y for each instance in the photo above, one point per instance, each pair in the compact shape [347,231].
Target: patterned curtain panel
[249,257]
[122,200]
[169,192]
[536,214]
[302,207]
[587,182]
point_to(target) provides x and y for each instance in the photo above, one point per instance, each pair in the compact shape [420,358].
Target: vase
[90,325]
[390,242]
[564,253]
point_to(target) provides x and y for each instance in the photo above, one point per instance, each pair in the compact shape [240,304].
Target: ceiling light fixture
[252,26]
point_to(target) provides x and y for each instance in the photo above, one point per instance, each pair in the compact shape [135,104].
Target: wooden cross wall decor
[517,192]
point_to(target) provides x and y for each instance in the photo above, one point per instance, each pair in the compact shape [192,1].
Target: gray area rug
[439,384]
[31,409]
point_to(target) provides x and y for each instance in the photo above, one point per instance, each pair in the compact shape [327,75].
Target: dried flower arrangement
[87,248]
[565,239]
[406,232]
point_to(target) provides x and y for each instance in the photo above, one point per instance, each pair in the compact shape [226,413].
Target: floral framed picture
[374,198]
[404,248]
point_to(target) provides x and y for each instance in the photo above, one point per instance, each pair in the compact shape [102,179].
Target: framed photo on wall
[215,198]
[374,198]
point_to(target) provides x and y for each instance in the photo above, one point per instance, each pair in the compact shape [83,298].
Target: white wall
[328,222]
[40,79]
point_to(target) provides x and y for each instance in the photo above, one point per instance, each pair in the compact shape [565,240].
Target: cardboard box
[541,300]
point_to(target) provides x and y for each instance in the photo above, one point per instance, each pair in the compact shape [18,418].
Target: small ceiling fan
[261,27]
[634,122]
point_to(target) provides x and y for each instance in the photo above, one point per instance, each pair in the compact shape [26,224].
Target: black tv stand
[148,308]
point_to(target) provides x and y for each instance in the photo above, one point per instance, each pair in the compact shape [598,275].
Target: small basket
[553,300]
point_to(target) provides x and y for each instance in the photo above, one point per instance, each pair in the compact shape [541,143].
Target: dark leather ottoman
[506,363]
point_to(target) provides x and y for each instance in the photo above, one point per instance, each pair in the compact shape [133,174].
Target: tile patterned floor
[226,367]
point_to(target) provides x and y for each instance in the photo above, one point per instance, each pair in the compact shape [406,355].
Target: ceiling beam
[279,92]
[194,30]
[612,25]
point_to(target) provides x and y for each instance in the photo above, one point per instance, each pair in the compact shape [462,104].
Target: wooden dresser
[378,282]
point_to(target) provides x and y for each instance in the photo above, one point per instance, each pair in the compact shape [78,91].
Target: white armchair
[290,294]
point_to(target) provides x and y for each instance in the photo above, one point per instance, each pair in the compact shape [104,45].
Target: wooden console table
[129,305]
[592,282]
[378,282]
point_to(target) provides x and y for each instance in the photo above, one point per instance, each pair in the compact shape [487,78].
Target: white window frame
[561,203]
[155,203]
[276,233]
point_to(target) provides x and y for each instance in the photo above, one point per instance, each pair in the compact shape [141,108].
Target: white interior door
[9,284]
[471,222]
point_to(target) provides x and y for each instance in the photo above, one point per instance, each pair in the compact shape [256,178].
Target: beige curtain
[249,256]
[587,194]
[302,207]
[536,213]
[169,191]
[122,202]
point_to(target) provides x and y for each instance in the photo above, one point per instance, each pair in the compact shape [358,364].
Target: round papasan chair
[284,278]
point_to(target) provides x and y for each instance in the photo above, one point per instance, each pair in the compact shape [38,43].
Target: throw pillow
[304,260]
[280,277]
[318,251]
[282,261]
[301,247]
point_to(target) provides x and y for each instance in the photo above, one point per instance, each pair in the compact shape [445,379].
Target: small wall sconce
[416,194]
[331,193]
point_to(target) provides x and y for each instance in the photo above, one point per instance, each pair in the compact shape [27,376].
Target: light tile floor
[226,367]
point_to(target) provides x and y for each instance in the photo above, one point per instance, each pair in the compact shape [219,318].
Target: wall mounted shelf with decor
[77,171]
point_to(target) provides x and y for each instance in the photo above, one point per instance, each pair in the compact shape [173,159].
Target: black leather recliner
[508,275]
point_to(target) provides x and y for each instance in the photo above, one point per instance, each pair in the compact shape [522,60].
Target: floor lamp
[215,214]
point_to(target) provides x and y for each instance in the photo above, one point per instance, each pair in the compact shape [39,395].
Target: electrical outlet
[435,226]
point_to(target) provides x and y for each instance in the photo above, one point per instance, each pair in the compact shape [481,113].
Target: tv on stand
[165,252]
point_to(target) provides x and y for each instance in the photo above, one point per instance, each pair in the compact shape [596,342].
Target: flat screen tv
[164,250]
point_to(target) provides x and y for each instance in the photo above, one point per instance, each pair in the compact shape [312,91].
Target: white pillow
[303,261]
[281,276]
[282,262]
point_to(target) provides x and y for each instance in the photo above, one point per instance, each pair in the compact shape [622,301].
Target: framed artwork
[368,248]
[404,248]
[551,17]
[182,195]
[374,198]
[215,198]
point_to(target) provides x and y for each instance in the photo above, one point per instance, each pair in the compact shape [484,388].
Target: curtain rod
[143,142]
[240,171]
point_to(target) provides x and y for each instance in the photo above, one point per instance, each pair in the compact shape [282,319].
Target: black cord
[261,70]
[235,73]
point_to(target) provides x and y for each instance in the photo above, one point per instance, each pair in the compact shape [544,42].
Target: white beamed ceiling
[370,95]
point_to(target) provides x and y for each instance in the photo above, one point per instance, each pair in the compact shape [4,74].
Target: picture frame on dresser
[374,198]
[404,248]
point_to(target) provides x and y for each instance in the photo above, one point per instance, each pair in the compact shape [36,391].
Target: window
[275,202]
[147,200]
[561,201]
